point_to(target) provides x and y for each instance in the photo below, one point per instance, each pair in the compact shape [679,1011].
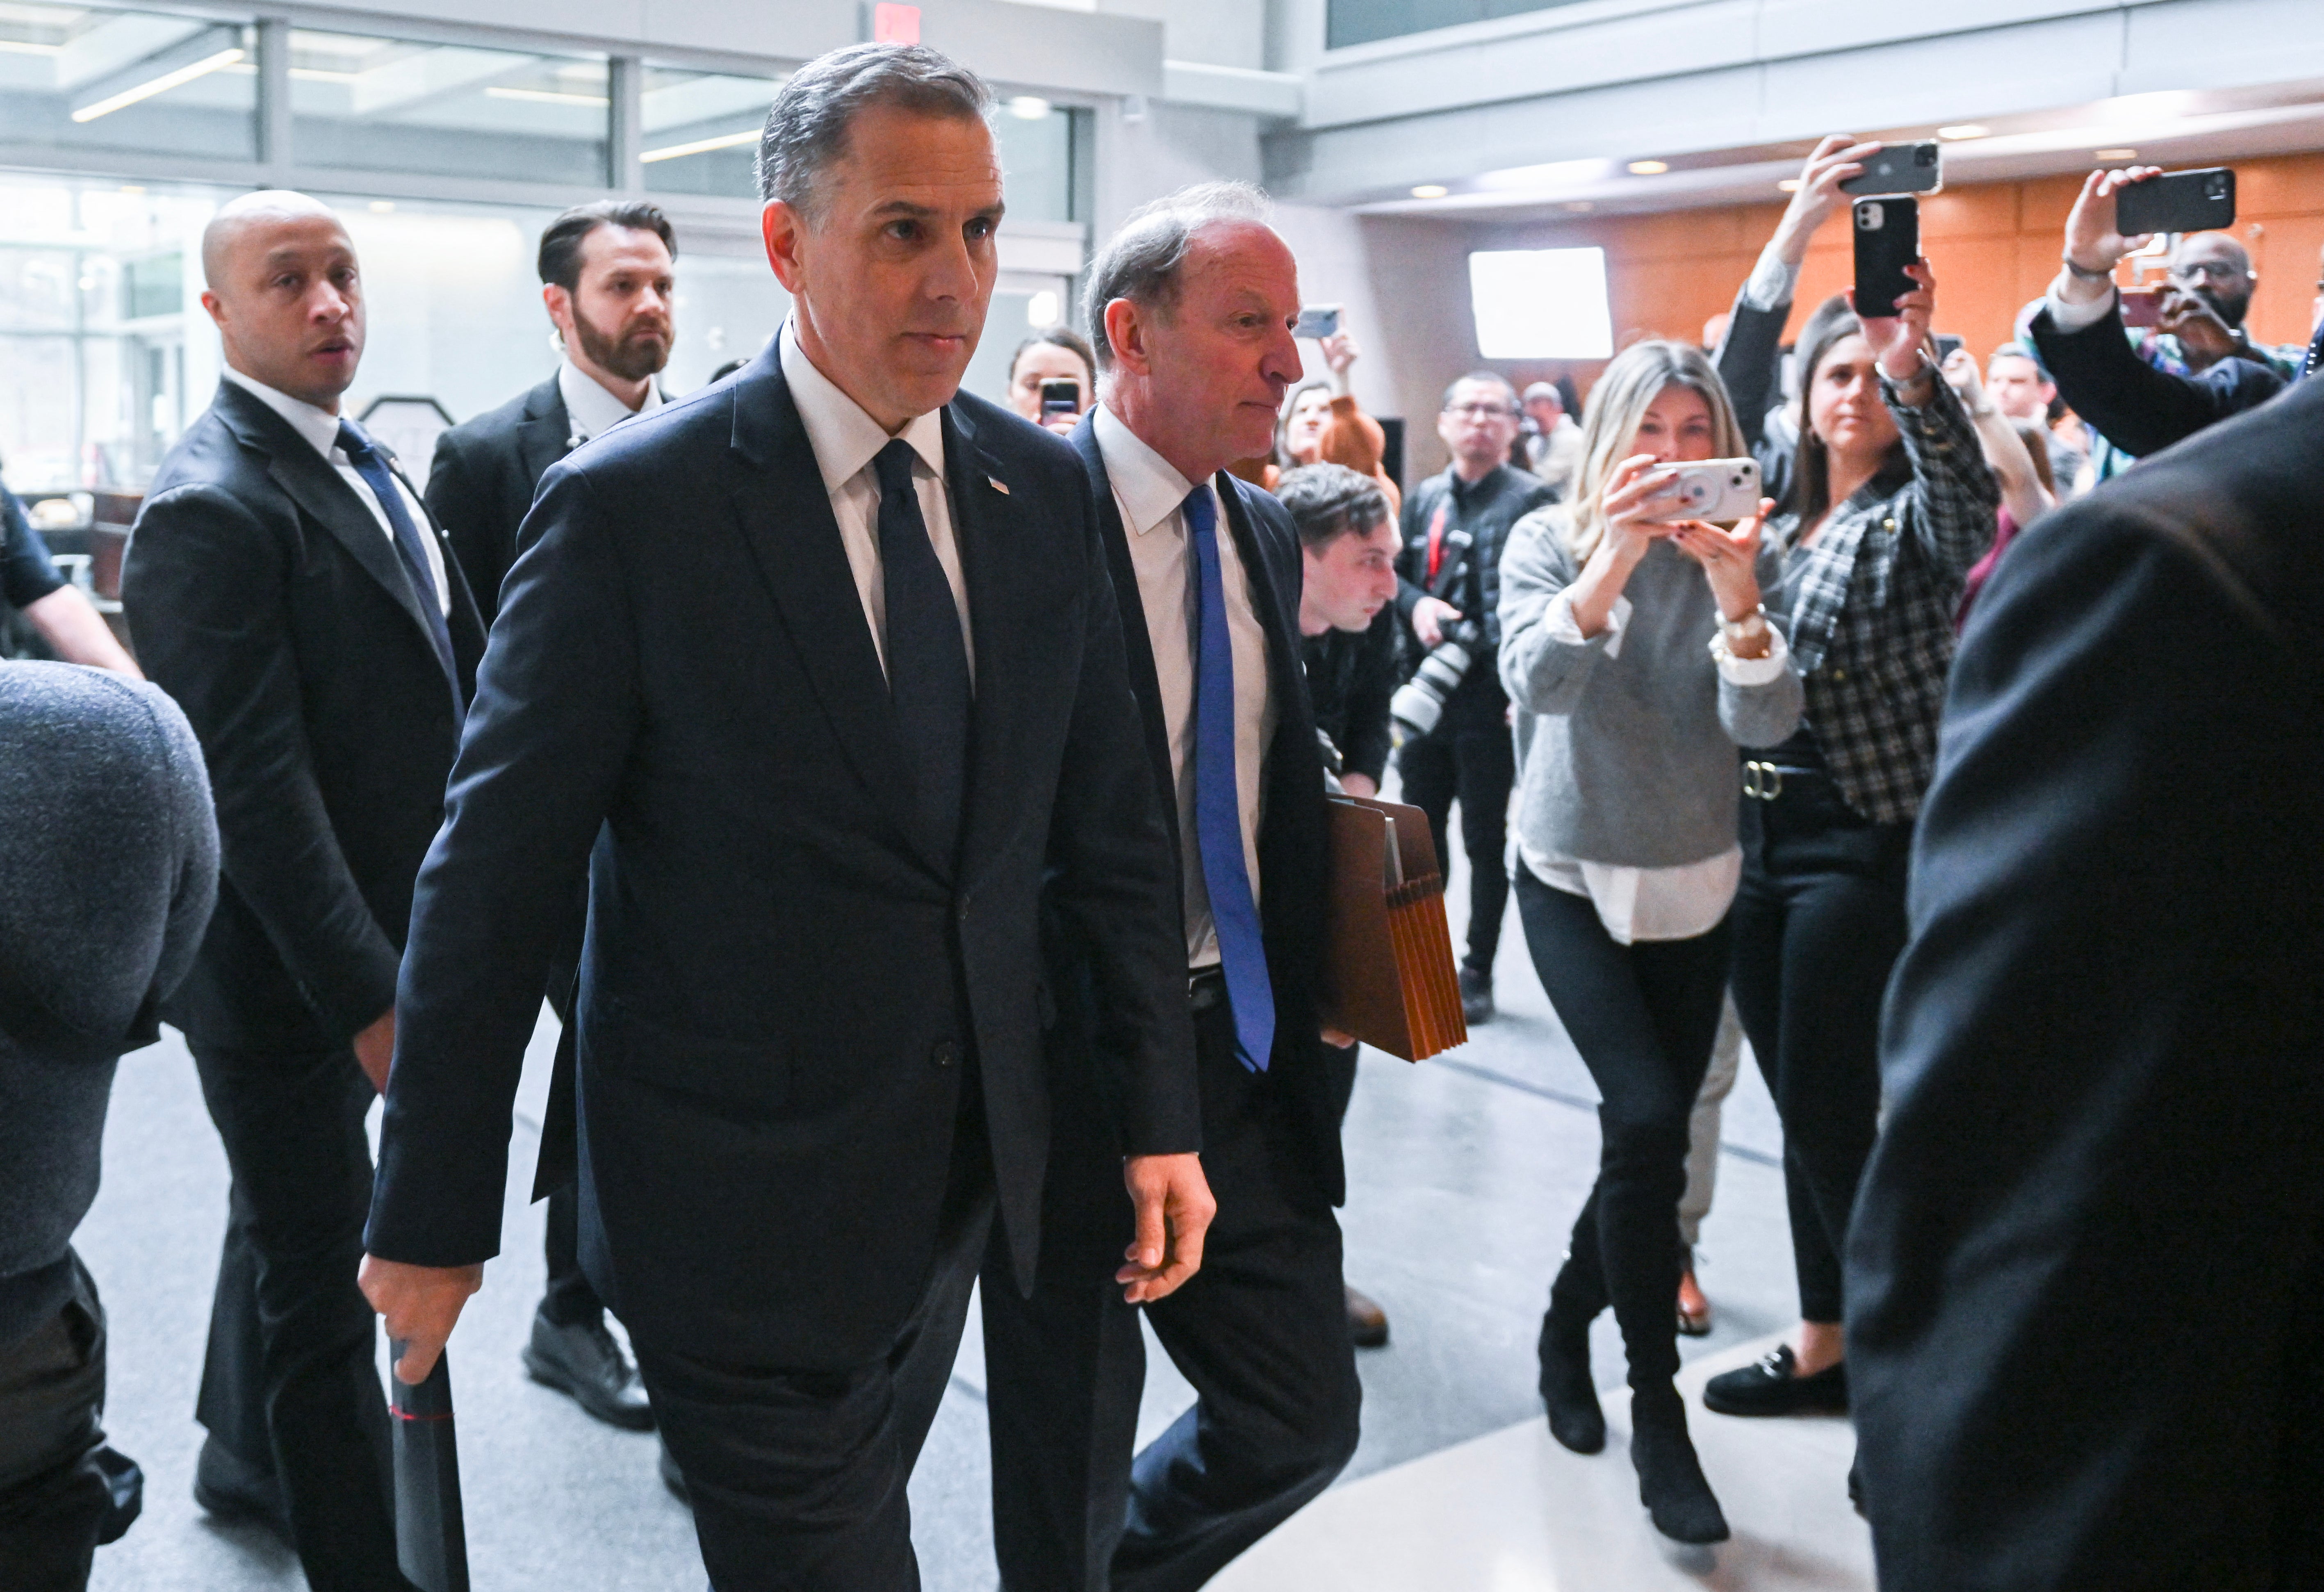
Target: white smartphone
[1708,489]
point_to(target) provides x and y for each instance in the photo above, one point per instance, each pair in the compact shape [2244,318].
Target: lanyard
[1436,538]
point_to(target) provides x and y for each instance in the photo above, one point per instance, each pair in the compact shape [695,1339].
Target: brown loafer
[1367,1322]
[1694,1309]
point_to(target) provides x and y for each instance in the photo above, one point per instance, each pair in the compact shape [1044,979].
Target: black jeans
[290,1384]
[1819,923]
[1642,1017]
[54,1501]
[1471,756]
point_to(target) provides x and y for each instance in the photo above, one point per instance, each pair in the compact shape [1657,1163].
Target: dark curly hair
[1329,501]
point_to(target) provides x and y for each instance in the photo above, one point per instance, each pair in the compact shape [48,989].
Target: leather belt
[1206,988]
[1765,781]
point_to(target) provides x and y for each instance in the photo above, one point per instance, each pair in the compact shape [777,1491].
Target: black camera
[1419,702]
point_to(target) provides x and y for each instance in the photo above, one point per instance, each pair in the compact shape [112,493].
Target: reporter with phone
[1892,502]
[1638,656]
[1043,364]
[2131,397]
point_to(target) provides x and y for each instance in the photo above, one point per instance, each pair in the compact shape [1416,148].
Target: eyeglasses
[1482,411]
[2217,271]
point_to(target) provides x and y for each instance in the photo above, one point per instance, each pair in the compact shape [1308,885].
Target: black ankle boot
[1576,1420]
[1670,1478]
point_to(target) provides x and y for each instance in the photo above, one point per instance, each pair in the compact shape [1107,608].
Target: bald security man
[289,588]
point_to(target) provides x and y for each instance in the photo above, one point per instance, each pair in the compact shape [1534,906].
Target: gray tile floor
[1466,1172]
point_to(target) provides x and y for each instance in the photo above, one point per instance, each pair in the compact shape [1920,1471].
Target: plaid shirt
[1870,603]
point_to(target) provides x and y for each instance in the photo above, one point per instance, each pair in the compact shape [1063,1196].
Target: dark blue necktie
[372,466]
[928,663]
[1218,805]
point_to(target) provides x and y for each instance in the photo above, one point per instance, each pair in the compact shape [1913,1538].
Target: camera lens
[2216,187]
[1926,155]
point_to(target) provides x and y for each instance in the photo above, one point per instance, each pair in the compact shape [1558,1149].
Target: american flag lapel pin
[995,482]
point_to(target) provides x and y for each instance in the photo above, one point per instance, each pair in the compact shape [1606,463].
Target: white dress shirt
[589,409]
[1647,904]
[845,441]
[1151,496]
[321,428]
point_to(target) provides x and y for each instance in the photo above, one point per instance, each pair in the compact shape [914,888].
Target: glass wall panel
[1363,22]
[85,76]
[1039,145]
[390,105]
[701,130]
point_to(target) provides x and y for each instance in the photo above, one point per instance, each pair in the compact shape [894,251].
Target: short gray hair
[1143,260]
[807,127]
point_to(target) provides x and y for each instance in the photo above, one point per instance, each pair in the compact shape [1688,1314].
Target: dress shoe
[232,1489]
[1773,1387]
[1671,1482]
[1476,995]
[1576,1419]
[1367,1322]
[1694,1309]
[672,1476]
[582,1359]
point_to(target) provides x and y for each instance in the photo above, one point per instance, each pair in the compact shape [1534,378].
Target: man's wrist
[2081,272]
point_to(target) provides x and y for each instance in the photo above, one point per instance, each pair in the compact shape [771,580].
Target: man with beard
[2200,368]
[605,280]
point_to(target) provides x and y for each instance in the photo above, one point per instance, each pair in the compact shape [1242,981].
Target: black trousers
[1642,1017]
[568,1300]
[1470,757]
[1261,1331]
[1819,923]
[54,1501]
[290,1384]
[797,1477]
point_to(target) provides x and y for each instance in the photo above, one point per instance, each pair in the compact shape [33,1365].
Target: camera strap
[1448,553]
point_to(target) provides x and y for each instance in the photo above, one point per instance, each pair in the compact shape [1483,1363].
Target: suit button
[946,1052]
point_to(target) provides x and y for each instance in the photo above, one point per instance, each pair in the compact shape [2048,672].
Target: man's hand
[1430,615]
[2204,337]
[2091,241]
[1360,785]
[1174,1204]
[419,1305]
[375,1048]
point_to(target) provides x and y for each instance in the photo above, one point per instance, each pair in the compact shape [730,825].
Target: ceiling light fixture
[2113,154]
[383,206]
[700,146]
[1789,185]
[1649,168]
[1028,107]
[1965,130]
[1430,190]
[161,85]
[545,97]
[1580,207]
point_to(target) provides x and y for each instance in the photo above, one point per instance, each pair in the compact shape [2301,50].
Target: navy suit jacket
[2132,404]
[482,482]
[779,981]
[1292,835]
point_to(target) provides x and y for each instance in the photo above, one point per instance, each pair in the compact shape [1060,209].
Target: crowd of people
[913,809]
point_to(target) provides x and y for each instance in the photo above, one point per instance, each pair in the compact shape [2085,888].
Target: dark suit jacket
[266,599]
[482,482]
[2086,1250]
[1291,835]
[2137,408]
[780,982]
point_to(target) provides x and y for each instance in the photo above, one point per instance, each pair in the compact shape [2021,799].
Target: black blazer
[482,479]
[2091,1238]
[2137,408]
[264,598]
[1292,864]
[780,983]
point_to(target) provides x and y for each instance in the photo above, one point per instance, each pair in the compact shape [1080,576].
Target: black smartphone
[1317,321]
[1887,240]
[1947,345]
[1060,396]
[1901,168]
[2201,200]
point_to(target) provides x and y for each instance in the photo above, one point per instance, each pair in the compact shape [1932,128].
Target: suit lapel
[542,438]
[981,525]
[785,517]
[1138,642]
[1283,669]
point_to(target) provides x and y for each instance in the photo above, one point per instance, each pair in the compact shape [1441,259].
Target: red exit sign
[895,25]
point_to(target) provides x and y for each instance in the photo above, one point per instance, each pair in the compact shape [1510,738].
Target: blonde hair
[1617,405]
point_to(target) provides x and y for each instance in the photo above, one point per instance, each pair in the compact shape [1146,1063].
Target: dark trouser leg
[797,1477]
[568,1300]
[1261,1332]
[1424,765]
[292,1123]
[232,1404]
[53,1501]
[1643,1017]
[1485,771]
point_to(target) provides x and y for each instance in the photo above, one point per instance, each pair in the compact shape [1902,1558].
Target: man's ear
[785,231]
[1125,329]
[216,306]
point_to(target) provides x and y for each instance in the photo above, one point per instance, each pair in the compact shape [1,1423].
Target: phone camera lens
[2216,187]
[1924,156]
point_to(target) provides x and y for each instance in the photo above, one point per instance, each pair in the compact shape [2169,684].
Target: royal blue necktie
[1218,805]
[928,662]
[372,466]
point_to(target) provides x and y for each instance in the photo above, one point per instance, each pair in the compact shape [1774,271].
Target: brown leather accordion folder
[1388,977]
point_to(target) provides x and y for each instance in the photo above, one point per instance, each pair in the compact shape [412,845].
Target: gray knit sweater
[108,869]
[1629,759]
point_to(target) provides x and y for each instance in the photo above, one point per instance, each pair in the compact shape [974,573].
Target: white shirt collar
[319,426]
[845,438]
[1149,486]
[593,410]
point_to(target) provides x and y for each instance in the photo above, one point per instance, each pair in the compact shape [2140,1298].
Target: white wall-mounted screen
[1540,303]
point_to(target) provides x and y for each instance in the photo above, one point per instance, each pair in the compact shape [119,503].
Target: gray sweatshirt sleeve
[1542,674]
[1764,714]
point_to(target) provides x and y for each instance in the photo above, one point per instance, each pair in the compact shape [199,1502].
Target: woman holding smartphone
[1638,655]
[1891,502]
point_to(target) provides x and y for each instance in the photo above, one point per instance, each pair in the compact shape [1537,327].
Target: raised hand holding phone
[2093,247]
[1899,340]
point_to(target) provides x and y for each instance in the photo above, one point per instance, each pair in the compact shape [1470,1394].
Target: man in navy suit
[828,655]
[1191,308]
